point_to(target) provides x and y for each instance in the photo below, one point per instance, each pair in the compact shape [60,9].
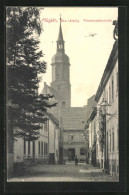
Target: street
[59,173]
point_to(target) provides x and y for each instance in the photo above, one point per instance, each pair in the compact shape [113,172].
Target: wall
[112,146]
[77,143]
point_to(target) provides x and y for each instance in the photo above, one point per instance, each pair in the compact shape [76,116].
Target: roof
[73,118]
[60,57]
[51,117]
[60,35]
[108,70]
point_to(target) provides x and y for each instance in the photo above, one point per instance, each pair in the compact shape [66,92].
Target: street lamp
[103,106]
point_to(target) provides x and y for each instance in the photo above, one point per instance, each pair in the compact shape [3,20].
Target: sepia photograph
[62,94]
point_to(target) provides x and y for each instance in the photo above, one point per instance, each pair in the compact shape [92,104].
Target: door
[71,154]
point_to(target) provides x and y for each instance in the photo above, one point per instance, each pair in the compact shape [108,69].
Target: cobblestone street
[59,173]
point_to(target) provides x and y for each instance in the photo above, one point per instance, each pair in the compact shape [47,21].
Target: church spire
[60,36]
[60,41]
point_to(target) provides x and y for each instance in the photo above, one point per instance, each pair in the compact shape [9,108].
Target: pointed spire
[60,36]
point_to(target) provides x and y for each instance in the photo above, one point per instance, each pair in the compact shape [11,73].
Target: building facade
[108,92]
[45,150]
[103,123]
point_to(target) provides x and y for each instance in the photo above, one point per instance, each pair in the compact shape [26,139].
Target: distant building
[73,119]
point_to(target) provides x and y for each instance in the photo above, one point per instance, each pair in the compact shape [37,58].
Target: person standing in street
[76,160]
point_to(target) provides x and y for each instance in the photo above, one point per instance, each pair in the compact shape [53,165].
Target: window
[112,89]
[28,147]
[45,148]
[113,141]
[33,148]
[24,146]
[82,152]
[42,148]
[71,137]
[39,147]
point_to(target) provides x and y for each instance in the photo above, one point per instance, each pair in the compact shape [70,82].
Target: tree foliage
[24,63]
[101,132]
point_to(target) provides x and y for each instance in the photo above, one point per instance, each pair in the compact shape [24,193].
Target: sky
[88,55]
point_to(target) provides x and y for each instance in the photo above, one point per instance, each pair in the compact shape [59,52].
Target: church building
[71,119]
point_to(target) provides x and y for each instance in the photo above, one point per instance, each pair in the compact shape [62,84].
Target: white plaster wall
[111,121]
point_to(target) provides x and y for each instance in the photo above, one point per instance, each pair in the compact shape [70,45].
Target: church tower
[60,72]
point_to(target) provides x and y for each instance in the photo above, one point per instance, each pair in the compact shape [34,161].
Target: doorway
[71,154]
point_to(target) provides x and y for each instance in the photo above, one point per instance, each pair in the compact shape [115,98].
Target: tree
[24,63]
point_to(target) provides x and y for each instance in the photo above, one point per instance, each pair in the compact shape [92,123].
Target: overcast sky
[88,55]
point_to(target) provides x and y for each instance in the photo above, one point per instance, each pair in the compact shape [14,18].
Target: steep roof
[73,118]
[51,117]
[60,35]
[60,57]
